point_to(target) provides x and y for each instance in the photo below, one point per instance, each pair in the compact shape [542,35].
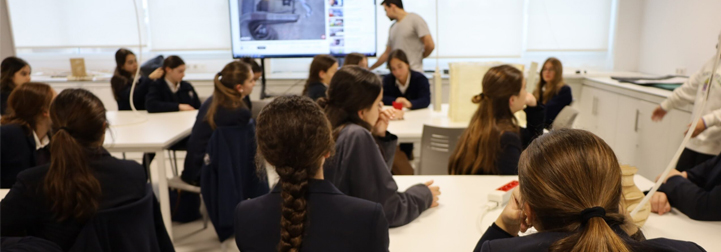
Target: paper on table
[674,80]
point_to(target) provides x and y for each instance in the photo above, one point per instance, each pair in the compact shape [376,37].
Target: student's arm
[511,148]
[20,210]
[686,94]
[371,179]
[154,101]
[534,124]
[706,174]
[382,59]
[493,232]
[389,96]
[379,231]
[424,93]
[123,94]
[387,145]
[692,200]
[196,100]
[557,103]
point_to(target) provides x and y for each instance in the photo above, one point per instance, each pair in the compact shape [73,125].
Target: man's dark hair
[388,3]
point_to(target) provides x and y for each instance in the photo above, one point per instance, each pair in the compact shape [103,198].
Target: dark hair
[120,76]
[478,147]
[564,172]
[353,59]
[321,62]
[388,3]
[25,103]
[79,124]
[397,54]
[352,89]
[298,120]
[172,62]
[8,68]
[225,95]
[552,87]
[253,64]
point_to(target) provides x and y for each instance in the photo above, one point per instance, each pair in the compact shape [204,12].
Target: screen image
[302,28]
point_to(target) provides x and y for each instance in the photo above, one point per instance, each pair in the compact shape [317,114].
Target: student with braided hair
[304,212]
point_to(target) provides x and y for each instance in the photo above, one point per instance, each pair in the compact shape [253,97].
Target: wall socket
[681,71]
[196,67]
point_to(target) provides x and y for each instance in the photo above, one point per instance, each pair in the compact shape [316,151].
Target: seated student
[696,192]
[13,72]
[359,168]
[170,92]
[54,201]
[257,73]
[570,191]
[321,72]
[224,108]
[24,134]
[493,142]
[304,212]
[356,59]
[551,91]
[122,81]
[405,86]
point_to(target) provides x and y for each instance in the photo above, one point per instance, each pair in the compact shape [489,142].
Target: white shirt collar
[173,88]
[403,88]
[39,144]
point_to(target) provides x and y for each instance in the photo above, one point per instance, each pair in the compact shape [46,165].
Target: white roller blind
[189,24]
[481,28]
[568,25]
[73,23]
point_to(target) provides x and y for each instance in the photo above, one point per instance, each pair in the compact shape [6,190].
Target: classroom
[348,125]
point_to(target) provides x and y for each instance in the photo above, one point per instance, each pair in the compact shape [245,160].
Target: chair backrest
[437,144]
[131,227]
[565,118]
[258,106]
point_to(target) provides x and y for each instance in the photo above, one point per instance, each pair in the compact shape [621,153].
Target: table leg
[163,196]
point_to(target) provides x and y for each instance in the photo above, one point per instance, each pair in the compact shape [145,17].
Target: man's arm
[428,45]
[382,59]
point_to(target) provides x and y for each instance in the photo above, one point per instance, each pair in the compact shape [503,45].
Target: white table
[453,226]
[410,128]
[143,132]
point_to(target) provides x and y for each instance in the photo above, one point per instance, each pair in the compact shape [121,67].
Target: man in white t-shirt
[409,33]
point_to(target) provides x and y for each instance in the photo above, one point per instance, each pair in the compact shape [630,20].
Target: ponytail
[294,210]
[79,124]
[595,235]
[224,94]
[70,183]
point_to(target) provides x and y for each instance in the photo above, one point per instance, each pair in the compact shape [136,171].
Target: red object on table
[398,105]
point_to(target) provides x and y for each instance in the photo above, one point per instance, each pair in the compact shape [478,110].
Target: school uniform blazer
[335,222]
[496,239]
[557,103]
[358,169]
[161,99]
[316,90]
[17,153]
[418,92]
[141,91]
[512,143]
[4,101]
[201,133]
[699,196]
[26,209]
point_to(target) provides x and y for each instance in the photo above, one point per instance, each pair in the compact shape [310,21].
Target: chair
[565,118]
[137,226]
[177,183]
[437,144]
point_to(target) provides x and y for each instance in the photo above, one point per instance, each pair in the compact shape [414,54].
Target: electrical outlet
[681,71]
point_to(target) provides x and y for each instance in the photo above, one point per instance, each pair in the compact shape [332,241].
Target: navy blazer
[26,209]
[699,196]
[496,239]
[418,92]
[161,99]
[199,137]
[141,91]
[316,90]
[557,103]
[17,153]
[3,101]
[335,222]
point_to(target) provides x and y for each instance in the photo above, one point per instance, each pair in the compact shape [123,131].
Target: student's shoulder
[353,134]
[34,174]
[565,89]
[674,245]
[128,167]
[12,130]
[257,206]
[510,137]
[418,76]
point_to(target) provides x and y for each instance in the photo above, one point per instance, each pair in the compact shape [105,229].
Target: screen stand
[263,95]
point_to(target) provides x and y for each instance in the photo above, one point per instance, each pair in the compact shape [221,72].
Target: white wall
[627,38]
[678,34]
